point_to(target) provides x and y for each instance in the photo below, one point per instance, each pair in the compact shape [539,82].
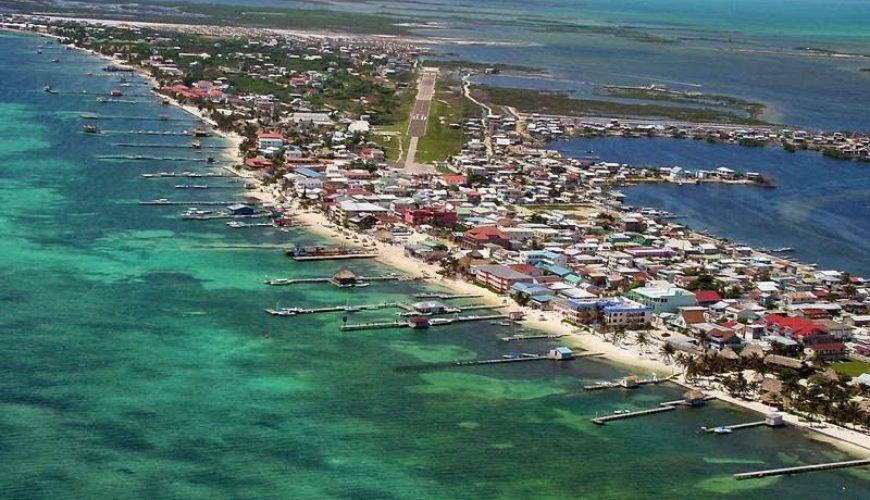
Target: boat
[196,145]
[49,89]
[722,430]
[102,100]
[782,250]
[116,93]
[163,118]
[55,60]
[200,132]
[90,128]
[281,312]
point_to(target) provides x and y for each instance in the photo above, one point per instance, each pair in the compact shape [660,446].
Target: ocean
[819,207]
[137,361]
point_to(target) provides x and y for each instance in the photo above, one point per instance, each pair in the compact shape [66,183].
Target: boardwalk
[802,469]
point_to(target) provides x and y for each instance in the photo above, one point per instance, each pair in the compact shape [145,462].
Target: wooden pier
[627,383]
[432,323]
[800,469]
[285,312]
[631,414]
[445,296]
[189,202]
[345,256]
[194,175]
[522,358]
[530,337]
[328,279]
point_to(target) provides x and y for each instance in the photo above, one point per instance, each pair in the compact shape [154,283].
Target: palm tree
[642,340]
[667,351]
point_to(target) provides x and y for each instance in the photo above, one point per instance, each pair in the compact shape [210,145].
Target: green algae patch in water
[483,387]
[727,484]
[432,353]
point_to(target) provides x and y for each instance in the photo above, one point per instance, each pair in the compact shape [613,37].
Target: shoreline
[549,321]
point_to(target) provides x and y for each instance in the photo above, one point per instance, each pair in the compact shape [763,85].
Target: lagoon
[820,206]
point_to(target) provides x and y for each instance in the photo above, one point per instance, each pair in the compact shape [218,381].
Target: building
[663,299]
[270,140]
[480,236]
[499,278]
[624,313]
[433,216]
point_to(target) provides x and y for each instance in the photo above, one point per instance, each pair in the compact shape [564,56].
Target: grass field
[851,368]
[442,140]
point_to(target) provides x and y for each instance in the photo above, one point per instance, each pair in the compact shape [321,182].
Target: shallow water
[135,365]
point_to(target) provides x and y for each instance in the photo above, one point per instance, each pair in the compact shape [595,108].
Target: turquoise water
[820,206]
[135,365]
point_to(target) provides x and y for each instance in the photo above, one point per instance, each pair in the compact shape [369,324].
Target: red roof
[270,135]
[798,326]
[485,233]
[524,268]
[707,296]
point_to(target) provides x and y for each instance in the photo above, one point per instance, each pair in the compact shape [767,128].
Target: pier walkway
[800,469]
[620,416]
[432,323]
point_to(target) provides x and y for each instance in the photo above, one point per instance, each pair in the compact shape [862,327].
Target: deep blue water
[821,206]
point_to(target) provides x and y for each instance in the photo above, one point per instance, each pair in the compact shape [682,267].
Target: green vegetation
[479,66]
[442,139]
[851,368]
[751,109]
[561,103]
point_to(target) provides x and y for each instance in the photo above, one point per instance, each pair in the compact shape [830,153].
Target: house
[707,297]
[561,353]
[270,140]
[624,313]
[480,236]
[499,278]
[828,351]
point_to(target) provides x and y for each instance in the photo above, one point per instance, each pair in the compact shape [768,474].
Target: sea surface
[137,362]
[820,206]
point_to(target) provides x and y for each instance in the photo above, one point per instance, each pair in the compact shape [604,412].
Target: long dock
[522,358]
[152,158]
[330,309]
[734,427]
[432,323]
[529,337]
[445,296]
[190,202]
[620,416]
[800,469]
[296,281]
[622,384]
[345,256]
[159,175]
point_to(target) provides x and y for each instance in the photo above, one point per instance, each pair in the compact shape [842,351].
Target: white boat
[722,430]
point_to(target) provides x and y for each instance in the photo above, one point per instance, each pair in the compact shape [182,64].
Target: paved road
[420,116]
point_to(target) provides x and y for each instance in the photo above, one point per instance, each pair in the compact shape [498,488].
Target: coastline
[845,439]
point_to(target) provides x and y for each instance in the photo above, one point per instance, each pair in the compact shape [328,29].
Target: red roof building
[707,297]
[482,235]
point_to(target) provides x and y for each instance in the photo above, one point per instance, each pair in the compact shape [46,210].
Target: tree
[642,340]
[667,351]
